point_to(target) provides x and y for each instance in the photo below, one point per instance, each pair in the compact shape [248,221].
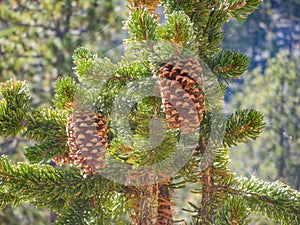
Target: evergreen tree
[142,127]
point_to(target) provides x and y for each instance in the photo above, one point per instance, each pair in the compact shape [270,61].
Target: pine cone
[182,91]
[87,140]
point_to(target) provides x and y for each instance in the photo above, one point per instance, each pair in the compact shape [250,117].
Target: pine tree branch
[48,129]
[213,33]
[65,93]
[13,107]
[229,65]
[198,11]
[242,9]
[47,186]
[234,212]
[90,68]
[102,209]
[243,126]
[178,30]
[142,25]
[275,200]
[83,60]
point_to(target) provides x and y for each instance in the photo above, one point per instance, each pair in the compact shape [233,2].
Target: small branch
[237,5]
[204,213]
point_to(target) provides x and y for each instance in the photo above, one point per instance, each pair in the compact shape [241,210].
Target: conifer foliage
[168,88]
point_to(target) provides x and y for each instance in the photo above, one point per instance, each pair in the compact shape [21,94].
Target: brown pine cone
[87,140]
[182,90]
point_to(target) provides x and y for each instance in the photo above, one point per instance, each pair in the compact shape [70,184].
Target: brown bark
[152,204]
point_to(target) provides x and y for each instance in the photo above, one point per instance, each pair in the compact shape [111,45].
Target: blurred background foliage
[275,26]
[38,37]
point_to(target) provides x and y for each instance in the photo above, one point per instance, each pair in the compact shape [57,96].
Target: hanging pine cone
[87,140]
[182,90]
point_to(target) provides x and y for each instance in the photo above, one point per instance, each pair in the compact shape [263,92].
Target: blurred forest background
[37,40]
